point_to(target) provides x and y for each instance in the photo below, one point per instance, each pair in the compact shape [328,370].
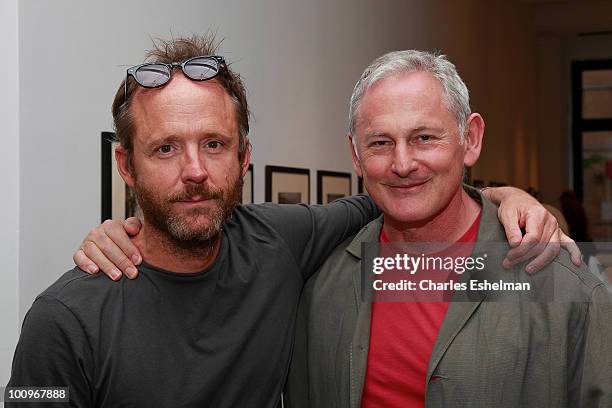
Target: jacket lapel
[460,310]
[465,303]
[367,240]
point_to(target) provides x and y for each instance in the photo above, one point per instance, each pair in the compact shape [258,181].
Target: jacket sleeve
[596,354]
[53,351]
[313,231]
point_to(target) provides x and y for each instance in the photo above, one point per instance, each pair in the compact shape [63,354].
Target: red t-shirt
[402,336]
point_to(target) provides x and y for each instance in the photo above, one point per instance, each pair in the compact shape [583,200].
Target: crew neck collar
[147,267]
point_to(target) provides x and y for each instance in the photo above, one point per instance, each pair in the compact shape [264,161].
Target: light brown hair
[179,50]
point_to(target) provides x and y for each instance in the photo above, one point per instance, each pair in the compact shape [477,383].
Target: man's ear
[123,165]
[247,158]
[353,148]
[473,139]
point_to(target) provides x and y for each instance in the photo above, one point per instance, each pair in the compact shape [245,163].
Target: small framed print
[287,185]
[118,200]
[332,185]
[247,187]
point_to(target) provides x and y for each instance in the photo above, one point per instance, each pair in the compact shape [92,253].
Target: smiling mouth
[411,187]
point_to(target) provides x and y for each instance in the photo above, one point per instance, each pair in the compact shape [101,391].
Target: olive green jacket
[494,349]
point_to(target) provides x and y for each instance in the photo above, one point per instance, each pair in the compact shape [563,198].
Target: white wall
[9,185]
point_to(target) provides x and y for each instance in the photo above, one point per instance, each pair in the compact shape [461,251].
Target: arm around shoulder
[313,231]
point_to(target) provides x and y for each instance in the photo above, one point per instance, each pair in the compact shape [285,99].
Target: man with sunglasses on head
[210,320]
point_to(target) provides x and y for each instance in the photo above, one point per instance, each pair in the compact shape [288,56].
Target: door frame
[580,125]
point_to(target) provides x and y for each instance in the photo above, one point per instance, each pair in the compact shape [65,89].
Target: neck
[446,226]
[160,249]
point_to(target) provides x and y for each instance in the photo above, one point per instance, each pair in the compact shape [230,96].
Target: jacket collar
[368,234]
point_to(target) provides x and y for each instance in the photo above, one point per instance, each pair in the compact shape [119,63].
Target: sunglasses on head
[156,74]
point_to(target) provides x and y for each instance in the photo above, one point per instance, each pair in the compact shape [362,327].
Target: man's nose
[194,166]
[403,161]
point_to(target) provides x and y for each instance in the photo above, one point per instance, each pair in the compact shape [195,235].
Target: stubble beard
[195,229]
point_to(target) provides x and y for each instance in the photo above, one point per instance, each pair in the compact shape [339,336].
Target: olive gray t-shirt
[218,338]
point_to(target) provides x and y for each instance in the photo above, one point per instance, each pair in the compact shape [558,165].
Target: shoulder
[75,281]
[559,282]
[259,216]
[281,213]
[570,282]
[577,283]
[254,224]
[269,222]
[83,294]
[352,247]
[335,272]
[66,282]
[348,255]
[269,212]
[52,315]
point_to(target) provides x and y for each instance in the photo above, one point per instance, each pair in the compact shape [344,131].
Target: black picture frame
[106,175]
[289,176]
[324,195]
[248,186]
[109,177]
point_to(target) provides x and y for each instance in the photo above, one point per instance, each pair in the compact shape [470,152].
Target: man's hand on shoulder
[542,239]
[108,247]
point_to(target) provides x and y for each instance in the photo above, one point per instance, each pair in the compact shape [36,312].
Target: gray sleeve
[53,351]
[595,353]
[313,231]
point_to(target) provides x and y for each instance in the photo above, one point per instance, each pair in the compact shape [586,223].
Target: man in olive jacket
[546,344]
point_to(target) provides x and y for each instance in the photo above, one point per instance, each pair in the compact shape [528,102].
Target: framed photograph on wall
[118,201]
[247,188]
[332,185]
[287,185]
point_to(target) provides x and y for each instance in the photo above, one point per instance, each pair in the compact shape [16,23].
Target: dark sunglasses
[156,74]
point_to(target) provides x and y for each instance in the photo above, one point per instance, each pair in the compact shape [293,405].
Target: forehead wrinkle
[186,104]
[388,124]
[391,109]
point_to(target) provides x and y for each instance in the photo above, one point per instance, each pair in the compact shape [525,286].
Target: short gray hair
[456,94]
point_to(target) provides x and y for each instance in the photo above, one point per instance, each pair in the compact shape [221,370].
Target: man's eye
[424,138]
[213,144]
[378,143]
[165,149]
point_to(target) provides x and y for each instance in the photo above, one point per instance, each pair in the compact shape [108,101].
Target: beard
[190,228]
